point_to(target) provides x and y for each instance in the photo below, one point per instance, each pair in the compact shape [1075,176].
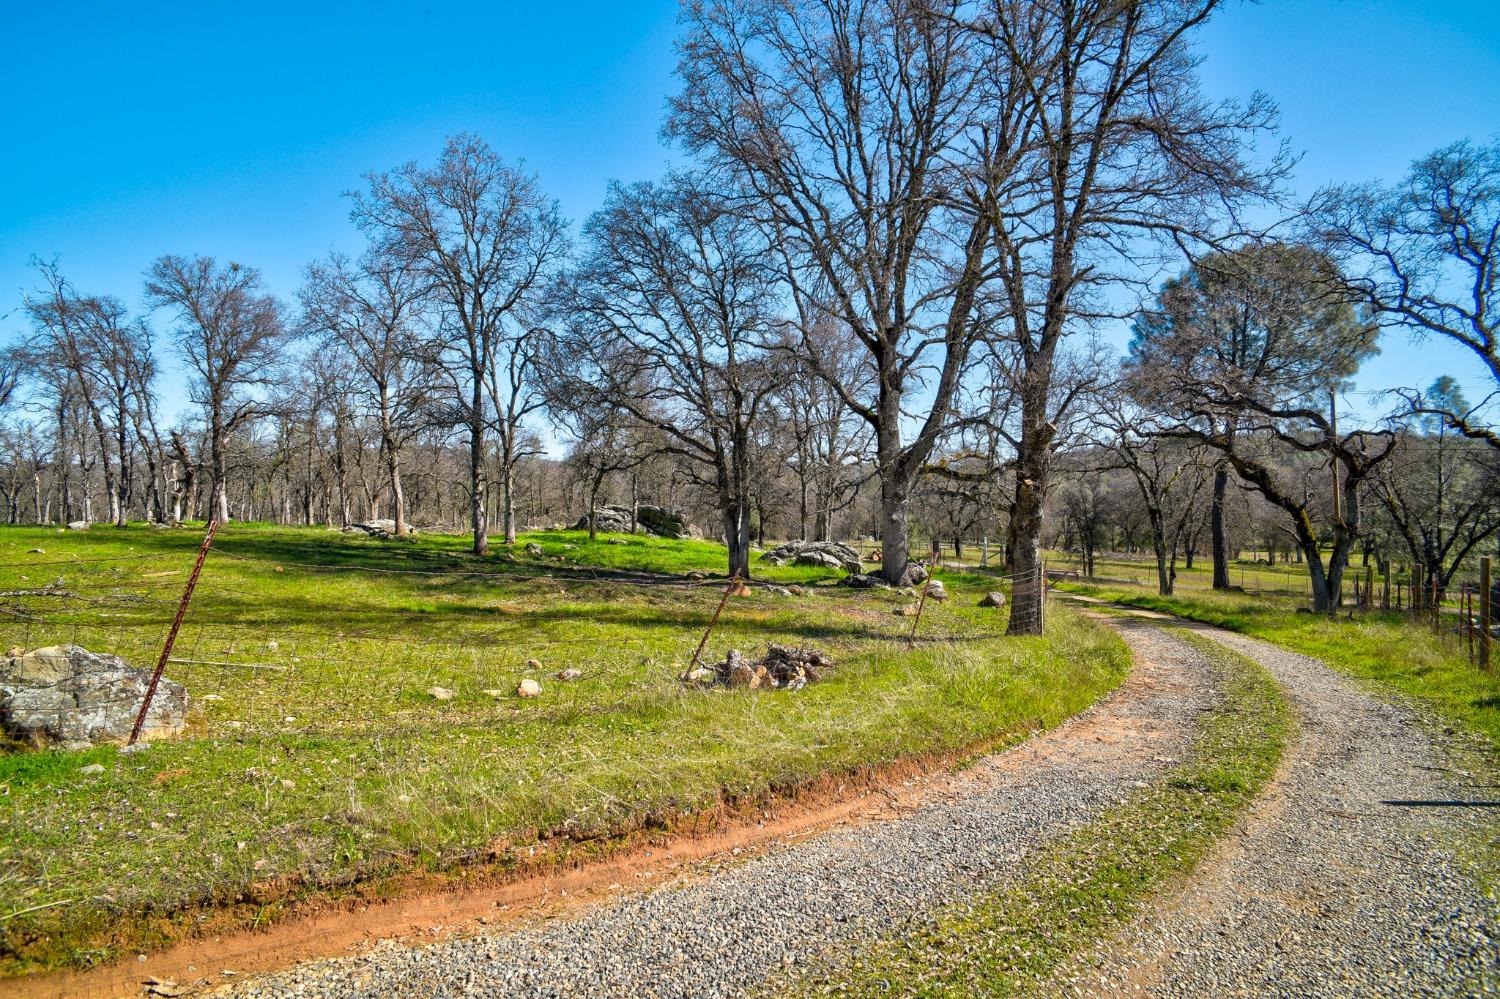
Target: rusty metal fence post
[166,649]
[736,586]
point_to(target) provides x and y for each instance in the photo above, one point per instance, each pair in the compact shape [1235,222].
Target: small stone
[528,688]
[211,697]
[937,591]
[290,785]
[15,650]
[993,599]
[36,551]
[533,549]
[442,693]
[696,575]
[570,674]
[533,664]
[905,610]
[273,645]
[795,590]
[92,768]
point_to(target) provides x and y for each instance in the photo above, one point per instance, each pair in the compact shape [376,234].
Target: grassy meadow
[316,758]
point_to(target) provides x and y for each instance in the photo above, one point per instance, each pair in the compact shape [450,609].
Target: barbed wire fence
[253,674]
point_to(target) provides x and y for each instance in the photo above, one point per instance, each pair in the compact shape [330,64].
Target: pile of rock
[67,696]
[782,668]
[663,522]
[825,554]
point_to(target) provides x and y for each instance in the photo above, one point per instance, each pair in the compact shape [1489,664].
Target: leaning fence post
[1486,600]
[911,637]
[736,585]
[1385,591]
[166,649]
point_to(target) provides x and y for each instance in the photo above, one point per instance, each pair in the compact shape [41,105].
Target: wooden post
[984,552]
[1369,587]
[1385,592]
[1416,587]
[1484,612]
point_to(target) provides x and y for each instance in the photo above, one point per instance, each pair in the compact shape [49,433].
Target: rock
[937,591]
[15,650]
[36,551]
[607,520]
[905,610]
[696,575]
[70,697]
[663,522]
[570,674]
[78,525]
[993,599]
[441,693]
[617,541]
[917,573]
[528,688]
[860,581]
[822,554]
[533,664]
[666,522]
[533,549]
[795,590]
[493,692]
[92,768]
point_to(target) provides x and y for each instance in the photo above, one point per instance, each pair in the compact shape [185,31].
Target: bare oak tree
[840,119]
[669,323]
[235,339]
[484,238]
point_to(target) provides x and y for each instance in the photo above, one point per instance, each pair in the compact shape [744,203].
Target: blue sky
[130,130]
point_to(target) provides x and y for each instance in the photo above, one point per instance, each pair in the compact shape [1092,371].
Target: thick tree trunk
[736,518]
[1219,541]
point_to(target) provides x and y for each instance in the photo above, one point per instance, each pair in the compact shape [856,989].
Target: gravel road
[727,930]
[1341,881]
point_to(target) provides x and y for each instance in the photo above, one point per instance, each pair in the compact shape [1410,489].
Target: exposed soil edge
[509,885]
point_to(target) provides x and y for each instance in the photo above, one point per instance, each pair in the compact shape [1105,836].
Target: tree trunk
[1216,529]
[479,516]
[736,518]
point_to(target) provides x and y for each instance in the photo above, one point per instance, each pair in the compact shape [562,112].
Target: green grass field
[316,758]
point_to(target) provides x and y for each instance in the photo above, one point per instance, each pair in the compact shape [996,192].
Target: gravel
[734,928]
[1329,887]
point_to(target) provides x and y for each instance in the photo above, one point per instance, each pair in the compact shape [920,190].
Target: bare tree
[669,323]
[1440,492]
[1106,144]
[233,336]
[1425,255]
[839,119]
[484,238]
[371,311]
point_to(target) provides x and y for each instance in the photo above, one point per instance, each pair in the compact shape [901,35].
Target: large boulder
[666,522]
[67,696]
[607,520]
[827,554]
